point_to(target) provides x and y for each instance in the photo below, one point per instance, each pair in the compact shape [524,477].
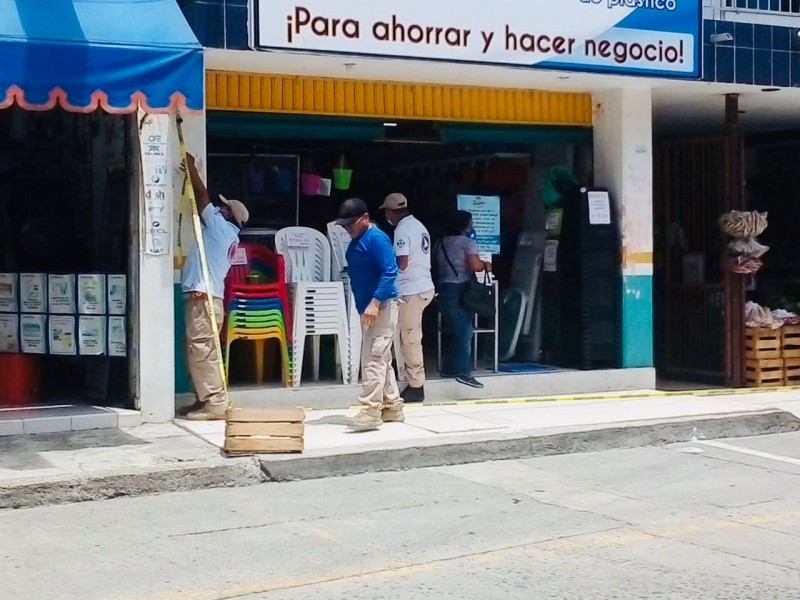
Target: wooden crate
[765,373]
[791,370]
[762,344]
[264,430]
[790,344]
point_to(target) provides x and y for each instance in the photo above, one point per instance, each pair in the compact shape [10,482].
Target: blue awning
[85,54]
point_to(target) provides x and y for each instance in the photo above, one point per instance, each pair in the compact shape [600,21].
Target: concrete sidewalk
[78,466]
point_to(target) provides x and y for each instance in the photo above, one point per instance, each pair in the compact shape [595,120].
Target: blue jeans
[457,356]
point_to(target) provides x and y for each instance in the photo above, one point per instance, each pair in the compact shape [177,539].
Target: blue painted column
[623,155]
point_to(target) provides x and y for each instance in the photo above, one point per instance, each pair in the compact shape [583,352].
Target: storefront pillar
[623,150]
[154,294]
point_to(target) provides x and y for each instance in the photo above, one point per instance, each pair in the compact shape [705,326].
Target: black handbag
[475,296]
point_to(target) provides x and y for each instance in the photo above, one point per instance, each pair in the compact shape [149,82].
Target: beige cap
[240,213]
[395,202]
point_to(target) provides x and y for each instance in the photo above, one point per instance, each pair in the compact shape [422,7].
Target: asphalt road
[711,521]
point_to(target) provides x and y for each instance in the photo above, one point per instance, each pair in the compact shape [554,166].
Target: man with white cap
[412,247]
[221,225]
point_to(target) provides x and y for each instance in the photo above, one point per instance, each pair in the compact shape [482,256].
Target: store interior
[64,229]
[261,160]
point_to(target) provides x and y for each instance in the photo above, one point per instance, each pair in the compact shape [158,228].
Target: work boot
[412,395]
[209,412]
[185,410]
[366,420]
[393,414]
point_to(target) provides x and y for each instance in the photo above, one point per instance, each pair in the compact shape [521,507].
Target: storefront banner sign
[62,335]
[33,292]
[9,292]
[33,334]
[61,294]
[652,37]
[153,138]
[486,219]
[117,337]
[9,333]
[92,294]
[117,294]
[92,336]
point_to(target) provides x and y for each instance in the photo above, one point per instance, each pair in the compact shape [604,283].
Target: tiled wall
[218,23]
[758,54]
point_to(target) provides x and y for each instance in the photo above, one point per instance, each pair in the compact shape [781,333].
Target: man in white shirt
[412,247]
[221,238]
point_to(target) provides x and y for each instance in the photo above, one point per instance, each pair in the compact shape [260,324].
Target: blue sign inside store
[644,37]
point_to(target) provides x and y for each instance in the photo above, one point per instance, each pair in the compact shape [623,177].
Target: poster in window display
[61,338]
[117,294]
[9,333]
[92,294]
[486,219]
[156,178]
[92,335]
[33,334]
[117,337]
[9,292]
[33,292]
[61,294]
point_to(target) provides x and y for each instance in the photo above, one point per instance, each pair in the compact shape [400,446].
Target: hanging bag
[475,296]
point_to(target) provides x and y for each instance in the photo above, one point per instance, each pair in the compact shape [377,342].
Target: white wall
[153,296]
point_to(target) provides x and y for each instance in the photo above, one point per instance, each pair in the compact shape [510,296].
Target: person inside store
[456,261]
[412,247]
[372,269]
[221,221]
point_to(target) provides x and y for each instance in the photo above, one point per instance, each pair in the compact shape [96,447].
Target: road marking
[749,452]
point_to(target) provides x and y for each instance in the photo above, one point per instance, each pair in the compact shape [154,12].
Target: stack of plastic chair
[318,303]
[340,240]
[259,311]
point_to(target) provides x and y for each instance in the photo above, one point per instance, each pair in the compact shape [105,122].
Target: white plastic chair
[307,254]
[340,240]
[319,304]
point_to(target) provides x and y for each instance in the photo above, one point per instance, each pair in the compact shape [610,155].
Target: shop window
[64,246]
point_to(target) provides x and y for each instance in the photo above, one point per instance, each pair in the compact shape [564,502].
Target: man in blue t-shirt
[372,268]
[221,238]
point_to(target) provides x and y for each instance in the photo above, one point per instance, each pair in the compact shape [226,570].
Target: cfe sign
[648,37]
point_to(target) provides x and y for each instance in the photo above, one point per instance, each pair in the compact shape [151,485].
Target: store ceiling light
[390,124]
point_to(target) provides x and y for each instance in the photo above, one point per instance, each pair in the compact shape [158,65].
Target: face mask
[472,234]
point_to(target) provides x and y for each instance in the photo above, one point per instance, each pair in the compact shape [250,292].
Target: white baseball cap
[240,213]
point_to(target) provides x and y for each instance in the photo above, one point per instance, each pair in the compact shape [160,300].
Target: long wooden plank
[265,429]
[255,445]
[266,415]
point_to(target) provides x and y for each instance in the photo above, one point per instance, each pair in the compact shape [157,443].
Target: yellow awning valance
[253,92]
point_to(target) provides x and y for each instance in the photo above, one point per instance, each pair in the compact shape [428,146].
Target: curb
[530,445]
[239,473]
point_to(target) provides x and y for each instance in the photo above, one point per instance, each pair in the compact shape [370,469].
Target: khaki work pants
[379,388]
[410,326]
[201,352]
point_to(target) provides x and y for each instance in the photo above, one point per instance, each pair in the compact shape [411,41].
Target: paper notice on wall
[486,219]
[9,333]
[92,335]
[117,337]
[33,334]
[551,256]
[117,294]
[33,292]
[92,294]
[61,294]
[9,292]
[599,208]
[153,136]
[61,336]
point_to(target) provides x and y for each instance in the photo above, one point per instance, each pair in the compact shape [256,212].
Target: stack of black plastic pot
[587,285]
